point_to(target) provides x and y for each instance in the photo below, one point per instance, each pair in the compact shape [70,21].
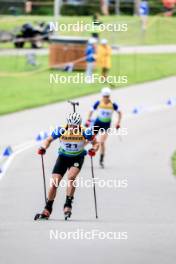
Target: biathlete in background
[105,108]
[73,138]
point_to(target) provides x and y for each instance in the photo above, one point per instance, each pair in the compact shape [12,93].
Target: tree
[136,6]
[104,7]
[117,7]
[57,6]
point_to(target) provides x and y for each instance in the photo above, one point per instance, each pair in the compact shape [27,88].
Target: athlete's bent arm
[95,144]
[94,108]
[119,114]
[47,142]
[94,149]
[89,118]
[90,115]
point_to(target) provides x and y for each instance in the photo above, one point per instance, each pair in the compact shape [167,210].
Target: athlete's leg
[58,172]
[75,167]
[54,183]
[102,139]
[72,174]
[105,72]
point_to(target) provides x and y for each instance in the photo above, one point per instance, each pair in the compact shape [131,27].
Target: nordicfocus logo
[111,131]
[81,234]
[81,78]
[81,182]
[81,26]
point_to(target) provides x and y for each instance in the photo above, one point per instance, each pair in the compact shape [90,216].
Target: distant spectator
[169,6]
[144,12]
[28,7]
[31,59]
[104,58]
[90,59]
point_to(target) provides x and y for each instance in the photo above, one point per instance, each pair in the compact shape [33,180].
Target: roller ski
[68,207]
[43,216]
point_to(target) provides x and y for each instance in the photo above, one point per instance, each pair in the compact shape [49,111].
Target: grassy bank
[161,30]
[174,163]
[23,87]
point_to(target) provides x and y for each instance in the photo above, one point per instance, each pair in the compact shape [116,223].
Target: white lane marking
[6,165]
[23,145]
[29,144]
[14,154]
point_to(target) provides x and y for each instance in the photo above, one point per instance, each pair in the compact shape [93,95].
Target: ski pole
[74,104]
[95,198]
[44,181]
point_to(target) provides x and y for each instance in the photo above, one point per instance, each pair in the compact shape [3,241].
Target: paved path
[145,210]
[116,49]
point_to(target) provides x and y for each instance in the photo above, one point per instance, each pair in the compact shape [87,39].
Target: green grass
[23,87]
[174,163]
[161,30]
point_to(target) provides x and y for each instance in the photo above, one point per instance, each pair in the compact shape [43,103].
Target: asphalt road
[143,213]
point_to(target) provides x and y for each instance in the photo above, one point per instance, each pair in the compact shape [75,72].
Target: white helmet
[104,41]
[92,41]
[74,119]
[106,91]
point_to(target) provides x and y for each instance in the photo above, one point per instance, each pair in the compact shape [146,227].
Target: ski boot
[102,161]
[46,212]
[68,207]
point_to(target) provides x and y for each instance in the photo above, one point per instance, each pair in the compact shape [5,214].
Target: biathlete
[105,108]
[73,139]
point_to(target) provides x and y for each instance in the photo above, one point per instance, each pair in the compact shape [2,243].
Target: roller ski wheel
[68,207]
[67,215]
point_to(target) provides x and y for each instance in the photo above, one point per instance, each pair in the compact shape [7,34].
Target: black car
[36,35]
